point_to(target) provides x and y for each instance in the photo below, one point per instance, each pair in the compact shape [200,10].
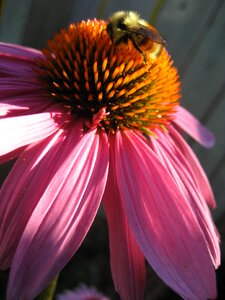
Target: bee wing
[148,32]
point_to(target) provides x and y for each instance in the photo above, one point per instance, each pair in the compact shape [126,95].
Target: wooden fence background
[195,33]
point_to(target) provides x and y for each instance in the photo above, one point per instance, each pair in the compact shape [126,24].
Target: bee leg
[139,50]
[123,39]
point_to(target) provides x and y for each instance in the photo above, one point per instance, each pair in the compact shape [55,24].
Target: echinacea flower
[82,293]
[92,122]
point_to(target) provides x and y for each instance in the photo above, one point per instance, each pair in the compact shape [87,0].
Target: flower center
[113,84]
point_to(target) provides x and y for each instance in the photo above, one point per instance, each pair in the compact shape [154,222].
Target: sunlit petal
[162,221]
[62,216]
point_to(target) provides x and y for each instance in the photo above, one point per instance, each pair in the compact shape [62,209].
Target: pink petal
[5,109]
[12,155]
[199,175]
[18,199]
[186,184]
[17,132]
[16,81]
[186,121]
[17,88]
[12,66]
[17,71]
[22,105]
[162,220]
[127,262]
[16,50]
[63,214]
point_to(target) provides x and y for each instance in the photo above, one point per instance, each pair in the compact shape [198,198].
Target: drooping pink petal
[187,154]
[63,214]
[186,184]
[17,50]
[19,131]
[18,198]
[162,220]
[186,121]
[127,262]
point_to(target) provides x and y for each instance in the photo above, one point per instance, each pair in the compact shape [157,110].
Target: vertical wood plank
[216,122]
[82,10]
[14,20]
[45,19]
[218,184]
[204,76]
[180,22]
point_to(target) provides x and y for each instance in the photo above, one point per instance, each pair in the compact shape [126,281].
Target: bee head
[119,22]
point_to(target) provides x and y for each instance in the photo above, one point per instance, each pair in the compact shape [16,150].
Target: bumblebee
[127,26]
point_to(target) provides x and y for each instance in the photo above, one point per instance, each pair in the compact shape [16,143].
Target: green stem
[156,11]
[49,292]
[2,6]
[101,8]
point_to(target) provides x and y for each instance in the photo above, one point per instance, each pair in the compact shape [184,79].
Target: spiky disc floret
[85,71]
